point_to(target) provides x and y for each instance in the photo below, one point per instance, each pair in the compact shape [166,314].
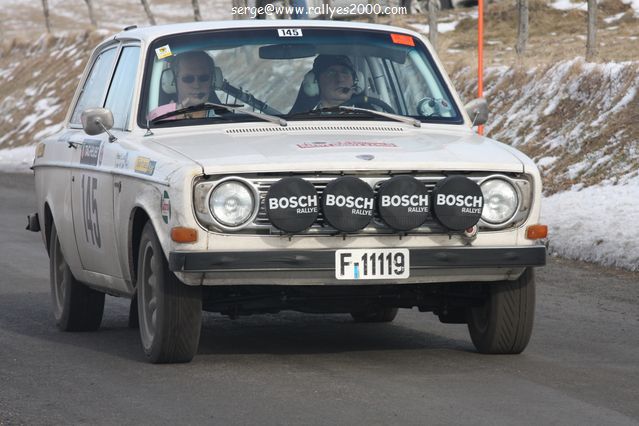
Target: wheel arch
[139,218]
[48,222]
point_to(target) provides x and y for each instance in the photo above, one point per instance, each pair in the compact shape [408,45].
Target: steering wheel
[368,102]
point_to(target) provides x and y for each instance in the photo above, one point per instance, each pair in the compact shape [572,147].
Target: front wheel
[76,307]
[169,312]
[503,324]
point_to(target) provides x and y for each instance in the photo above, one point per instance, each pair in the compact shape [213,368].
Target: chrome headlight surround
[203,193]
[516,193]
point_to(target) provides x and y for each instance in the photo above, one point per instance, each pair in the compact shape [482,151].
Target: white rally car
[205,166]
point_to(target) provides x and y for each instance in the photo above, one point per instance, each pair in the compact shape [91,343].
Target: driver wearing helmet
[335,75]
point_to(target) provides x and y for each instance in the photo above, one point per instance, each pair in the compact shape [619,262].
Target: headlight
[500,201]
[232,203]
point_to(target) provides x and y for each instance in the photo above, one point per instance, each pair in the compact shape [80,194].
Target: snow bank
[569,5]
[17,160]
[597,224]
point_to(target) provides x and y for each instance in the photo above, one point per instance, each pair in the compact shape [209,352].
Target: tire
[169,312]
[76,307]
[504,323]
[375,315]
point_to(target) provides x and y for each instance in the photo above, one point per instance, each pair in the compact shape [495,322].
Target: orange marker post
[480,54]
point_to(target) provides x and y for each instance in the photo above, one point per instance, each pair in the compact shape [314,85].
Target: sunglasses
[202,78]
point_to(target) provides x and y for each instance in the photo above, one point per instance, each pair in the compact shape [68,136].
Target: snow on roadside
[17,160]
[569,5]
[442,27]
[596,224]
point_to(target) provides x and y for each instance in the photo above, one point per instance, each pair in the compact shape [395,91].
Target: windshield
[292,73]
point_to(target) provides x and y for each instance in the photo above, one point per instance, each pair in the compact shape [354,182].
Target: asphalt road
[581,367]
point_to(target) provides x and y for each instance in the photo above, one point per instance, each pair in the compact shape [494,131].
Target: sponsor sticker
[163,52]
[289,32]
[346,144]
[145,166]
[165,207]
[40,150]
[122,160]
[91,153]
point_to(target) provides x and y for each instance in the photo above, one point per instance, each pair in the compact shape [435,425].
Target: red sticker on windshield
[403,39]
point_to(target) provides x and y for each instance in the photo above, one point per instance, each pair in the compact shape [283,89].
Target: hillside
[578,120]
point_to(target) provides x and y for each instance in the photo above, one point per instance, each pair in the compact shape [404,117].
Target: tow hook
[33,224]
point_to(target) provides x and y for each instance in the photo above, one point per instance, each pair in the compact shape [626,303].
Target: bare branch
[196,10]
[147,9]
[433,8]
[522,32]
[591,40]
[91,14]
[45,9]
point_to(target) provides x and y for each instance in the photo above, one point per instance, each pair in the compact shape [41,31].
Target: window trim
[97,54]
[129,43]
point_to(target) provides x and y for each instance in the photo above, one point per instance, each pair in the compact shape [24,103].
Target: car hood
[296,149]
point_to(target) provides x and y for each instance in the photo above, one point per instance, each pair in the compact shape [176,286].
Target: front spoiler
[324,260]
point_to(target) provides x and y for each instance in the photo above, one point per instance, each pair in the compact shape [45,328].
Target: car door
[91,180]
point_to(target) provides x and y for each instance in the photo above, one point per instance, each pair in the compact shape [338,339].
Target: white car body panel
[301,150]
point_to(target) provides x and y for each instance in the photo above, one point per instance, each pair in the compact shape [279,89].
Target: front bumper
[324,260]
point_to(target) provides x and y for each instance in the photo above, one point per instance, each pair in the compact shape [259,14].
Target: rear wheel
[375,315]
[76,307]
[503,325]
[169,312]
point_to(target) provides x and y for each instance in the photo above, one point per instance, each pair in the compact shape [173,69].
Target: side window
[121,91]
[95,85]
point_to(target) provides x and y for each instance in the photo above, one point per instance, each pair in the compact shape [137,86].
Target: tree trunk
[522,32]
[591,42]
[433,6]
[239,3]
[407,4]
[147,9]
[326,4]
[91,14]
[197,16]
[45,9]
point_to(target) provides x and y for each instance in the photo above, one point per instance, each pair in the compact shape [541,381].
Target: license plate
[372,264]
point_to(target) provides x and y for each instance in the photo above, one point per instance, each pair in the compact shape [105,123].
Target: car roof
[148,34]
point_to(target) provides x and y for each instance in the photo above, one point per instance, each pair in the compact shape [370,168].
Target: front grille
[262,183]
[376,226]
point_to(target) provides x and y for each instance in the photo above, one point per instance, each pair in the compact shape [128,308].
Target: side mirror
[96,121]
[477,110]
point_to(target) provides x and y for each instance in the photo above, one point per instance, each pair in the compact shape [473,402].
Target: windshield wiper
[342,108]
[232,108]
[396,117]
